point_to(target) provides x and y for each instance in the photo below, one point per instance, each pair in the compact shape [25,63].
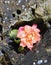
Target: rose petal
[21,34]
[34,26]
[22,44]
[30,46]
[21,28]
[36,30]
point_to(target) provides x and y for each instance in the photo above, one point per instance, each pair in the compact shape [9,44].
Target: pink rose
[28,35]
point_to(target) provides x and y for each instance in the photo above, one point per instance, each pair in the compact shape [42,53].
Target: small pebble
[26,0]
[19,1]
[3,21]
[34,63]
[39,61]
[37,51]
[5,1]
[8,2]
[23,6]
[25,9]
[22,58]
[5,17]
[13,59]
[45,61]
[7,8]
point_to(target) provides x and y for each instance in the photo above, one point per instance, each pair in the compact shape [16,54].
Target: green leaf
[13,33]
[17,41]
[20,48]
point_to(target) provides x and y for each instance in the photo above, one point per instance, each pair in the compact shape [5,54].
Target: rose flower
[28,35]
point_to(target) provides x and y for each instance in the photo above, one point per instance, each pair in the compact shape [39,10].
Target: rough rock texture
[40,55]
[9,17]
[8,10]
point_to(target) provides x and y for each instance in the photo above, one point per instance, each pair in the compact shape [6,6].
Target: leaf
[17,41]
[13,33]
[20,48]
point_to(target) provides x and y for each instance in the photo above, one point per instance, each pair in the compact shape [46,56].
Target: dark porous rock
[39,54]
[1,55]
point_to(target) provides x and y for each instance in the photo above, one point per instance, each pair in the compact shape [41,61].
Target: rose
[28,35]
